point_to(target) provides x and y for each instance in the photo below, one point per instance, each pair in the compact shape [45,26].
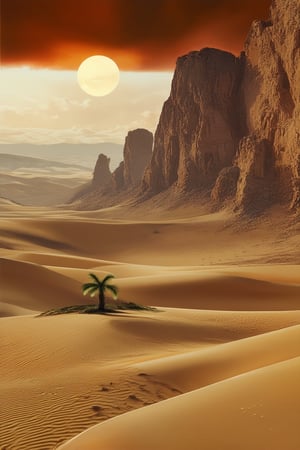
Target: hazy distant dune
[16,161]
[79,154]
[39,182]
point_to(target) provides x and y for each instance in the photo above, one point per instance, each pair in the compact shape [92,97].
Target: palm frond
[108,277]
[95,278]
[91,291]
[88,285]
[113,289]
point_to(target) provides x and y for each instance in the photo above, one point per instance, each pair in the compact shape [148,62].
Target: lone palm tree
[101,286]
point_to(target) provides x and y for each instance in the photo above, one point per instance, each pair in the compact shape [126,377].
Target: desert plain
[199,222]
[215,366]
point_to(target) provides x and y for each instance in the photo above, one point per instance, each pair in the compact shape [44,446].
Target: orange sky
[138,34]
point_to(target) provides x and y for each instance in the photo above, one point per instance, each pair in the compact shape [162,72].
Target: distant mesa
[102,175]
[137,155]
[107,187]
[230,127]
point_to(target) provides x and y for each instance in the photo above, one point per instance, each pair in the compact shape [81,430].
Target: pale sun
[98,75]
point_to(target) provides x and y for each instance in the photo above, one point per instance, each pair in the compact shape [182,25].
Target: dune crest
[224,313]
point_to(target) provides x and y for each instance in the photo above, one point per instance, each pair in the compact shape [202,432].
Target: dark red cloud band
[138,34]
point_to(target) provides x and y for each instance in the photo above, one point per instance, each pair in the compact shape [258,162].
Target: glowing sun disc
[98,75]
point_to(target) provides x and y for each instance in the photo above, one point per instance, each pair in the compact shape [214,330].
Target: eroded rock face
[102,175]
[242,112]
[118,177]
[137,154]
[226,185]
[296,193]
[199,127]
[256,186]
[109,187]
[271,90]
[230,127]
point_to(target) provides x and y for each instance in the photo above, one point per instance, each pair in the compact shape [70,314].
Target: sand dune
[78,370]
[213,291]
[40,189]
[154,243]
[52,259]
[34,181]
[219,359]
[241,412]
[10,310]
[192,370]
[30,286]
[196,289]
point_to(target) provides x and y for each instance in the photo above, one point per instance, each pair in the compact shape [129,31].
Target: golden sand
[217,365]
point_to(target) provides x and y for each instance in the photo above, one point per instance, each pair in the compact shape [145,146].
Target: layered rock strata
[232,125]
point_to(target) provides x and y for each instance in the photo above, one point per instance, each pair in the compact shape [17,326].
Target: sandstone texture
[137,154]
[118,177]
[226,184]
[102,179]
[109,188]
[199,127]
[256,184]
[273,74]
[102,175]
[235,121]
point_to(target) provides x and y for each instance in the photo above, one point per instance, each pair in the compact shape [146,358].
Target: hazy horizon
[45,106]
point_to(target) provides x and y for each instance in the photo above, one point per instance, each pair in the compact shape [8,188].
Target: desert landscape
[199,225]
[220,352]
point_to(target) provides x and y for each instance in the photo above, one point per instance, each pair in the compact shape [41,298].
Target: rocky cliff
[231,125]
[200,125]
[101,181]
[107,188]
[137,154]
[102,174]
[271,92]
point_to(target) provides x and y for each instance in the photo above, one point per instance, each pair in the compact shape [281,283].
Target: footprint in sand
[97,409]
[104,389]
[134,398]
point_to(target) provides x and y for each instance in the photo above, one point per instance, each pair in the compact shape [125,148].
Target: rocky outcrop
[256,187]
[271,90]
[199,127]
[109,188]
[230,129]
[251,182]
[226,185]
[232,125]
[102,179]
[118,177]
[102,174]
[137,154]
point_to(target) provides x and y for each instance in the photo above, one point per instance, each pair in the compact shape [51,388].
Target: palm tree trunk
[101,305]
